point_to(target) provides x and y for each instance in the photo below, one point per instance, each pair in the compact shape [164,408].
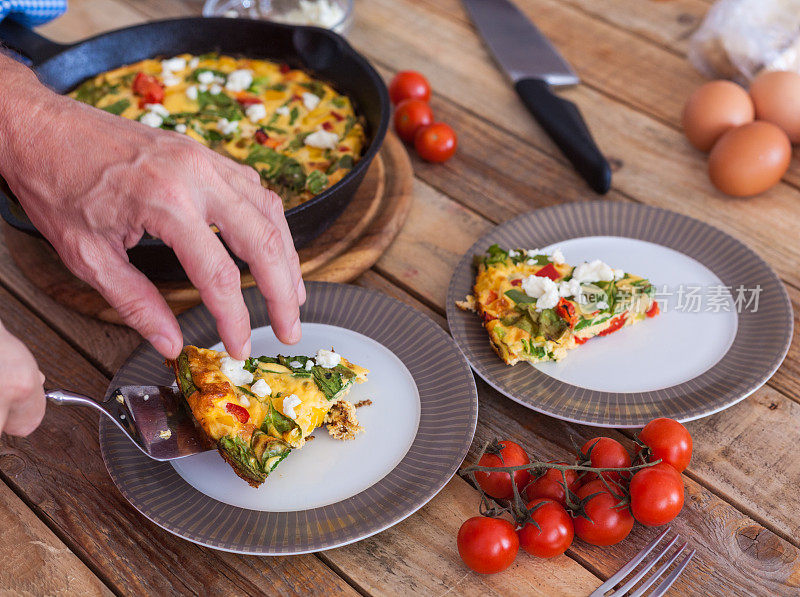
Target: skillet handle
[28,43]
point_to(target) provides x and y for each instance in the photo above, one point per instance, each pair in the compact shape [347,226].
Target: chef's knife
[534,65]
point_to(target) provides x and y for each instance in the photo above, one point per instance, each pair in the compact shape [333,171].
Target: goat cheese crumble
[239,80]
[234,370]
[289,404]
[256,112]
[327,358]
[544,290]
[227,127]
[310,101]
[261,388]
[322,139]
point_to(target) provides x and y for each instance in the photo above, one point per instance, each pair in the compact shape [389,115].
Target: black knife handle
[563,122]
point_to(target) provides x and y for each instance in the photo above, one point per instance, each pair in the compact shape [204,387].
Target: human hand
[93,183]
[21,393]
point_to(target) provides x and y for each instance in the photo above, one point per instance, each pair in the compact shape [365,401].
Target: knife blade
[534,65]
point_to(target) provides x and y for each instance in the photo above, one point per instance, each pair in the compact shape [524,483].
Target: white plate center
[325,471]
[689,336]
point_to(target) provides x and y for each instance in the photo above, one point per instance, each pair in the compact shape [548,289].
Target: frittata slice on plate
[536,307]
[257,411]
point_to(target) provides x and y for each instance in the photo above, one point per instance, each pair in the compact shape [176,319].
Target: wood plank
[656,165]
[90,17]
[59,469]
[419,556]
[35,561]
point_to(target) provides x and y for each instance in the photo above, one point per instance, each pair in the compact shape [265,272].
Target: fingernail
[301,291]
[295,334]
[246,350]
[164,345]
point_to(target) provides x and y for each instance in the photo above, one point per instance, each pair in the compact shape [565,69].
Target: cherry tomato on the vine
[606,453]
[551,485]
[656,494]
[487,545]
[409,84]
[498,485]
[609,525]
[409,116]
[555,532]
[668,441]
[436,142]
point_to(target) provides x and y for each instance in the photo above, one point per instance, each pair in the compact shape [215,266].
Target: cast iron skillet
[318,51]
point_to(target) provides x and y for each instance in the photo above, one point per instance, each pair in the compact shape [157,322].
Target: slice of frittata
[536,307]
[256,411]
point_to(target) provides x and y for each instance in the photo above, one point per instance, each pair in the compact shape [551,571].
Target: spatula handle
[115,411]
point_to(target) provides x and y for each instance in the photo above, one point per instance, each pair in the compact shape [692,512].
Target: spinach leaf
[185,381]
[339,102]
[244,390]
[494,254]
[519,297]
[276,423]
[346,161]
[315,87]
[298,141]
[539,259]
[349,123]
[293,115]
[219,105]
[90,92]
[316,181]
[117,107]
[551,326]
[243,456]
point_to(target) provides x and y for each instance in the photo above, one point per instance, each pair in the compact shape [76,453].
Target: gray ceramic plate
[725,326]
[418,430]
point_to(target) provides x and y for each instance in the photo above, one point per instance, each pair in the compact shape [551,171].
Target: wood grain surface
[631,55]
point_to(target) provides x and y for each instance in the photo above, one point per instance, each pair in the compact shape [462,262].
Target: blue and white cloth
[32,12]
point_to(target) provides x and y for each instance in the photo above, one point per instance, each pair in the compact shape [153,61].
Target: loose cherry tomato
[409,116]
[148,89]
[436,142]
[551,485]
[487,545]
[409,84]
[609,525]
[668,441]
[239,412]
[498,485]
[656,494]
[606,453]
[548,271]
[555,532]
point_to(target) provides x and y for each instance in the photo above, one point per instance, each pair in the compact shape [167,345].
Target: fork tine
[646,568]
[667,583]
[611,582]
[657,574]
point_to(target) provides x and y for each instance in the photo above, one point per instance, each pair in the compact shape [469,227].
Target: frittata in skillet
[536,307]
[257,411]
[297,132]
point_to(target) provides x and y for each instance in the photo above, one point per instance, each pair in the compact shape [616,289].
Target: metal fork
[662,588]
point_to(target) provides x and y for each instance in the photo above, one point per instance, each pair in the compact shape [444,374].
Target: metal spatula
[153,417]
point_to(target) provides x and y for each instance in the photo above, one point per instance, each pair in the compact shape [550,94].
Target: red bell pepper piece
[239,412]
[148,89]
[548,271]
[566,311]
[653,310]
[247,99]
[616,324]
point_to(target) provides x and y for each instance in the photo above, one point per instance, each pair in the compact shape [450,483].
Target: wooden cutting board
[352,244]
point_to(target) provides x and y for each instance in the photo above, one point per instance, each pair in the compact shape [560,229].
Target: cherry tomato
[498,485]
[656,494]
[239,412]
[668,441]
[148,89]
[551,485]
[410,115]
[409,84]
[609,525]
[555,531]
[436,142]
[606,453]
[487,545]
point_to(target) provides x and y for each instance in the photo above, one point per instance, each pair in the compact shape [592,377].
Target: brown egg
[749,159]
[714,108]
[776,96]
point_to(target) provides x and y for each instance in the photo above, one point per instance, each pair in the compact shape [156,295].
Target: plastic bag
[740,38]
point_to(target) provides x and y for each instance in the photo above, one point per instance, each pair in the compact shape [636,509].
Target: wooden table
[66,528]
